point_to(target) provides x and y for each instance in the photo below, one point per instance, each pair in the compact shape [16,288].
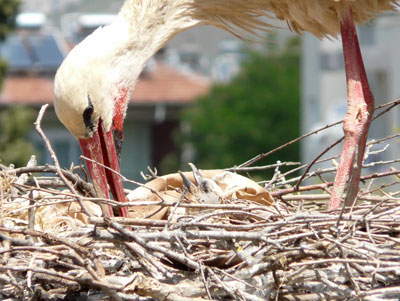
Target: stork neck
[146,26]
[123,48]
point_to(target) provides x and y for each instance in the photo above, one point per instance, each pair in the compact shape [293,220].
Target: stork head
[92,84]
[90,100]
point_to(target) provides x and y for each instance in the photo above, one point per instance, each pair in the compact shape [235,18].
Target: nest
[247,241]
[236,249]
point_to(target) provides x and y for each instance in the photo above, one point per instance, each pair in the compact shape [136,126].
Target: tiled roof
[160,84]
[26,90]
[164,84]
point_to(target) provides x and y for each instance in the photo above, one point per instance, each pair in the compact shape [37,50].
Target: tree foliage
[256,112]
[8,11]
[15,123]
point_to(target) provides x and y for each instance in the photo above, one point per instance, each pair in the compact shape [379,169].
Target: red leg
[358,118]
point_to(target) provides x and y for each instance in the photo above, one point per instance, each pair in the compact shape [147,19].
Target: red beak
[101,148]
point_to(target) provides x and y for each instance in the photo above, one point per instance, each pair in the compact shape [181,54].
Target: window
[366,34]
[332,61]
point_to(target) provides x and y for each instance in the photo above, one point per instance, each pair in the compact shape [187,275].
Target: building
[46,6]
[324,98]
[34,54]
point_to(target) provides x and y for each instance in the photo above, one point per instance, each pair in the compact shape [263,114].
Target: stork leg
[358,118]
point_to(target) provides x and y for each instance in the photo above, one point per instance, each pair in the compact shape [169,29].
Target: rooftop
[160,84]
[34,52]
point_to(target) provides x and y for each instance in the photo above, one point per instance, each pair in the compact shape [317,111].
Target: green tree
[15,122]
[256,112]
[8,11]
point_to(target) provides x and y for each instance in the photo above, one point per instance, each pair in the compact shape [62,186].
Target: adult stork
[93,84]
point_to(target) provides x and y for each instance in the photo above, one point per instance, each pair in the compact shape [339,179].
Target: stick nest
[236,249]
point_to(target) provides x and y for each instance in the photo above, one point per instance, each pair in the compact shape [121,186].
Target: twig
[123,178]
[81,185]
[203,277]
[55,159]
[257,168]
[316,159]
[260,156]
[328,184]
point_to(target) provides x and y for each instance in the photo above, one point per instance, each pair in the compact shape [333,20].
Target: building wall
[46,6]
[324,98]
[136,150]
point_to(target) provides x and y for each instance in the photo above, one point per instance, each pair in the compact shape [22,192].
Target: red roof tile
[164,84]
[27,90]
[159,84]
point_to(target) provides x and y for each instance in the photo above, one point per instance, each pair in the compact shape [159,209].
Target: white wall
[324,84]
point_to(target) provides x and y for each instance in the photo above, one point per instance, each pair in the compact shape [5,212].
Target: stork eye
[87,115]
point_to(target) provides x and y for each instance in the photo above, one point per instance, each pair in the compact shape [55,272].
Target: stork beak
[101,148]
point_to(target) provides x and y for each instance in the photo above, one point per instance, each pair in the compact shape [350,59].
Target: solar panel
[35,50]
[15,53]
[45,50]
